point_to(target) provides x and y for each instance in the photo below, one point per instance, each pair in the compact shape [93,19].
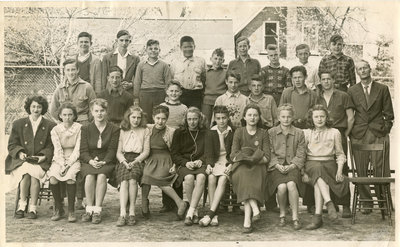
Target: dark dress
[188,147]
[107,151]
[156,169]
[248,178]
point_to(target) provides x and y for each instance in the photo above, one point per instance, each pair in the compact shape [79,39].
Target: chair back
[376,147]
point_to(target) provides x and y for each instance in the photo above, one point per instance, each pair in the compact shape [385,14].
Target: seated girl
[66,137]
[324,165]
[158,169]
[30,152]
[99,143]
[219,164]
[187,151]
[133,149]
[287,159]
[250,154]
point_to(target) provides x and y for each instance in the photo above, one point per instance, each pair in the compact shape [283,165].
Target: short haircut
[331,73]
[85,34]
[70,61]
[300,68]
[363,61]
[272,47]
[100,102]
[256,77]
[126,124]
[122,33]
[241,38]
[115,69]
[219,52]
[310,122]
[174,83]
[202,118]
[223,110]
[335,38]
[161,109]
[67,106]
[151,42]
[252,106]
[38,99]
[233,74]
[186,39]
[301,47]
[285,107]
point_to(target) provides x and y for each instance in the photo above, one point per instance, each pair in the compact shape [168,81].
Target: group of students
[160,135]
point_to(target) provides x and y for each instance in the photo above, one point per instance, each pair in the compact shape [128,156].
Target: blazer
[378,116]
[110,60]
[95,74]
[22,139]
[213,146]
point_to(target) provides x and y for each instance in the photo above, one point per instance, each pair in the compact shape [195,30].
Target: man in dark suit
[372,124]
[123,59]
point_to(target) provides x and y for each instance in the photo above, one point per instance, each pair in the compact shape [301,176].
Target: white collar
[119,54]
[215,127]
[152,64]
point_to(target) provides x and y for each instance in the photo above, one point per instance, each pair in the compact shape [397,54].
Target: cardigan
[183,149]
[213,146]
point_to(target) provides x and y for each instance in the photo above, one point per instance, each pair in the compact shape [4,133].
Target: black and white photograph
[203,123]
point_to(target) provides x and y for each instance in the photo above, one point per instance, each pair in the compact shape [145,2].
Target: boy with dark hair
[244,65]
[215,83]
[89,65]
[190,71]
[276,77]
[338,63]
[152,76]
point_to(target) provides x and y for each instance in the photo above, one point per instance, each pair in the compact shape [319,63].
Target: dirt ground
[163,227]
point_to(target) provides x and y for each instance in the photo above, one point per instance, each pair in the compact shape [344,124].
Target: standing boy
[302,54]
[265,102]
[233,99]
[244,65]
[215,83]
[190,71]
[89,65]
[122,58]
[152,76]
[341,112]
[339,64]
[276,77]
[118,99]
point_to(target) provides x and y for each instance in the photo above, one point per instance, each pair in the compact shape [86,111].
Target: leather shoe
[247,230]
[315,223]
[165,209]
[32,215]
[296,225]
[19,214]
[282,222]
[331,210]
[188,221]
[346,212]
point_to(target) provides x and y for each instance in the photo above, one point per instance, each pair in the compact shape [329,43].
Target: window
[271,33]
[309,35]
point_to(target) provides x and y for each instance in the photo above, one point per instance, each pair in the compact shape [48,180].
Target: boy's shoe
[96,218]
[131,220]
[214,221]
[32,215]
[121,221]
[56,215]
[86,217]
[71,217]
[346,212]
[296,225]
[205,221]
[19,214]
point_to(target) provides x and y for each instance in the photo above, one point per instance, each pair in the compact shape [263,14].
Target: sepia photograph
[199,122]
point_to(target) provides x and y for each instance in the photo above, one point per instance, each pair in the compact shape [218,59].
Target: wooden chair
[379,183]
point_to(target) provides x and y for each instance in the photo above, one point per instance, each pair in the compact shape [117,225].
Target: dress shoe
[86,217]
[96,218]
[32,215]
[296,225]
[188,221]
[19,214]
[331,210]
[315,223]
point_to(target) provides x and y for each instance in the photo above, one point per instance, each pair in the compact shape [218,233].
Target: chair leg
[388,206]
[382,194]
[355,202]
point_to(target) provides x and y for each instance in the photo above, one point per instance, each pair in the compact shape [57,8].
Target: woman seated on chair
[219,164]
[323,146]
[187,151]
[30,152]
[66,137]
[159,169]
[288,155]
[99,142]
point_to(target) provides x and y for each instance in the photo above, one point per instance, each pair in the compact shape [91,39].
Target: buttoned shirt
[190,72]
[246,70]
[342,66]
[275,79]
[312,74]
[35,124]
[338,104]
[235,104]
[289,148]
[121,61]
[268,109]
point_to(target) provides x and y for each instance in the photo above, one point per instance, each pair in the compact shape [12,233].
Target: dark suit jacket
[110,60]
[21,139]
[377,116]
[213,146]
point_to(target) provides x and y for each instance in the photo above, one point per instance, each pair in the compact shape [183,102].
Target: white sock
[32,208]
[89,209]
[22,204]
[96,209]
[190,212]
[196,212]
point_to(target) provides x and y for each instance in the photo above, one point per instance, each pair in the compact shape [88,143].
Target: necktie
[366,94]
